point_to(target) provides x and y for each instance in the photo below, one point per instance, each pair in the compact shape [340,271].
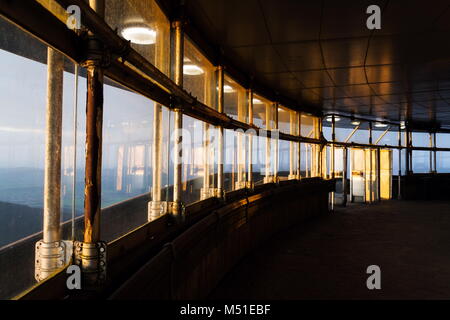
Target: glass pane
[128,138]
[443,162]
[420,139]
[23,85]
[421,161]
[199,75]
[308,126]
[193,155]
[235,100]
[286,117]
[263,113]
[443,140]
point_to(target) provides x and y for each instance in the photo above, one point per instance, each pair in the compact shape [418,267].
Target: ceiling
[321,54]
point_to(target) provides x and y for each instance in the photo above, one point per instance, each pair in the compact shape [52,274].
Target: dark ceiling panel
[300,56]
[346,52]
[314,79]
[320,53]
[292,21]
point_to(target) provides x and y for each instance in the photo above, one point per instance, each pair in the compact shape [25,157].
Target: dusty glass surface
[128,138]
[145,26]
[235,100]
[199,75]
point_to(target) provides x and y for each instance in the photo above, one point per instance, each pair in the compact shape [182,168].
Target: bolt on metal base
[91,258]
[51,257]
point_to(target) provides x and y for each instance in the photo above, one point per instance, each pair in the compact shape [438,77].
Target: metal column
[91,253]
[241,156]
[435,153]
[332,160]
[399,196]
[220,155]
[250,141]
[268,174]
[178,51]
[344,176]
[156,207]
[299,156]
[275,139]
[292,131]
[51,252]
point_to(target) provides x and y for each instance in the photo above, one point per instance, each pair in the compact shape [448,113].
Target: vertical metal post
[52,174]
[430,136]
[299,157]
[156,207]
[178,52]
[332,164]
[408,151]
[94,128]
[220,108]
[378,155]
[370,165]
[206,174]
[250,141]
[275,139]
[241,154]
[399,195]
[344,176]
[435,153]
[268,175]
[50,251]
[292,128]
[91,253]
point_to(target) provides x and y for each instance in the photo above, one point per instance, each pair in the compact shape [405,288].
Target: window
[199,75]
[145,26]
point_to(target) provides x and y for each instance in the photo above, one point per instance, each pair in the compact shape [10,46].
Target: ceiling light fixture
[356,122]
[139,35]
[336,119]
[257,101]
[381,125]
[192,70]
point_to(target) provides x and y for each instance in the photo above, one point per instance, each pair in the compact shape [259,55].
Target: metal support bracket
[91,258]
[50,257]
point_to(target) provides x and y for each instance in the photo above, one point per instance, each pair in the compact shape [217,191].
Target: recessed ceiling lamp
[257,101]
[228,89]
[192,70]
[381,125]
[336,119]
[356,122]
[139,35]
[402,125]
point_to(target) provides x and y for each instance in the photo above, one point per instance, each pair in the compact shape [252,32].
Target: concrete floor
[327,258]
